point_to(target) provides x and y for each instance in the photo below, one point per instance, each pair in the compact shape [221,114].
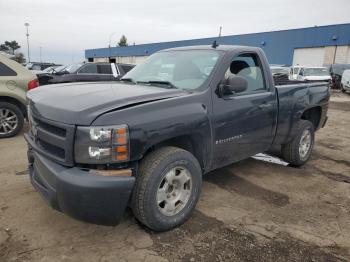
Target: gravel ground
[248,211]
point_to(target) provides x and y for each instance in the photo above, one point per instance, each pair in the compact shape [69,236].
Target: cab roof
[225,48]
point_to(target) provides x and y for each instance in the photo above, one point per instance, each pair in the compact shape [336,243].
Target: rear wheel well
[15,102]
[185,142]
[313,115]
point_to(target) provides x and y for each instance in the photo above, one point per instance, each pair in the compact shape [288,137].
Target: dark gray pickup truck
[145,142]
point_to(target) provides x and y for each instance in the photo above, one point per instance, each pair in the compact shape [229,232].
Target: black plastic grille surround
[52,139]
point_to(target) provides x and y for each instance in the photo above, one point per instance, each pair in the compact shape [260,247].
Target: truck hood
[317,78]
[82,103]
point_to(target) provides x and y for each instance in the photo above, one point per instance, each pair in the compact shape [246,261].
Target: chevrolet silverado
[95,149]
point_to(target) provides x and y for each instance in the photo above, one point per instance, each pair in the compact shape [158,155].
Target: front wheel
[167,188]
[298,150]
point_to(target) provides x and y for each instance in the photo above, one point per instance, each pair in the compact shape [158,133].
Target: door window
[127,68]
[105,69]
[6,71]
[249,67]
[89,69]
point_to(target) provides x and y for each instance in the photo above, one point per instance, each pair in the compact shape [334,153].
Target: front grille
[52,139]
[53,129]
[55,150]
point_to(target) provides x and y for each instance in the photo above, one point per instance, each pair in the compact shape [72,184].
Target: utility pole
[40,54]
[27,26]
[109,46]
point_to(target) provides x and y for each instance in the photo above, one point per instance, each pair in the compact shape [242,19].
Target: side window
[126,68]
[36,67]
[89,69]
[105,69]
[249,67]
[6,71]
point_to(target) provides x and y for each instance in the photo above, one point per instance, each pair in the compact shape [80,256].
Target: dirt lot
[251,211]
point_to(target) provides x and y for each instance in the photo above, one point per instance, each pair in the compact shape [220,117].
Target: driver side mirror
[234,84]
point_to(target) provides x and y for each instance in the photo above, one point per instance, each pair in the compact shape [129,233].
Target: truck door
[244,123]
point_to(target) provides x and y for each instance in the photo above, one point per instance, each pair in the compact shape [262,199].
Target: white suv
[345,81]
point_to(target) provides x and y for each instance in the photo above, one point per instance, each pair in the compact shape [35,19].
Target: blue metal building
[279,46]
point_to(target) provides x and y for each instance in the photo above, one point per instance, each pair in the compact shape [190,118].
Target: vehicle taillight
[33,84]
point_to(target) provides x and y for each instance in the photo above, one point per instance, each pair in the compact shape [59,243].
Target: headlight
[102,145]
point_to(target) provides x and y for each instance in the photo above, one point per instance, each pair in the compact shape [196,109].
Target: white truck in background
[303,73]
[345,81]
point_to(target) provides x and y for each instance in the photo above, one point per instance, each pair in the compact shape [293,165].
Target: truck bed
[293,100]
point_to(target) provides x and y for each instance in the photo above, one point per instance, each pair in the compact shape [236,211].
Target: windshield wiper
[158,82]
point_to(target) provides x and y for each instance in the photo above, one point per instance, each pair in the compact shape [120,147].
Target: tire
[151,185]
[296,152]
[342,88]
[11,115]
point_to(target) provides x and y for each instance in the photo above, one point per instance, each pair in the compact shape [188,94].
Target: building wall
[341,54]
[100,59]
[309,56]
[130,59]
[320,56]
[278,45]
[316,56]
[122,59]
[329,54]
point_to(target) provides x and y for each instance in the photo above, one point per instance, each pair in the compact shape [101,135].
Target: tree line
[10,47]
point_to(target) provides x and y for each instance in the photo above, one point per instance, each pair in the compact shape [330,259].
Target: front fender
[155,122]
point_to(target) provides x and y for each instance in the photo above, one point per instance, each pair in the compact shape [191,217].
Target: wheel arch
[16,102]
[191,143]
[313,115]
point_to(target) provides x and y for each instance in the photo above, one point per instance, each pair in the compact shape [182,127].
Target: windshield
[175,69]
[279,70]
[296,70]
[59,68]
[72,68]
[49,69]
[316,72]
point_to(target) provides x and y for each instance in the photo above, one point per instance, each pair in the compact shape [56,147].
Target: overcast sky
[64,29]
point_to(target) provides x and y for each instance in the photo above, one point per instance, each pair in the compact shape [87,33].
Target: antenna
[215,44]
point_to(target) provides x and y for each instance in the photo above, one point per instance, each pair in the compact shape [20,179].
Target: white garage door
[309,56]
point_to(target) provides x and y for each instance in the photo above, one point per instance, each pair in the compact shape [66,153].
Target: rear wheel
[342,88]
[298,150]
[167,188]
[11,120]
